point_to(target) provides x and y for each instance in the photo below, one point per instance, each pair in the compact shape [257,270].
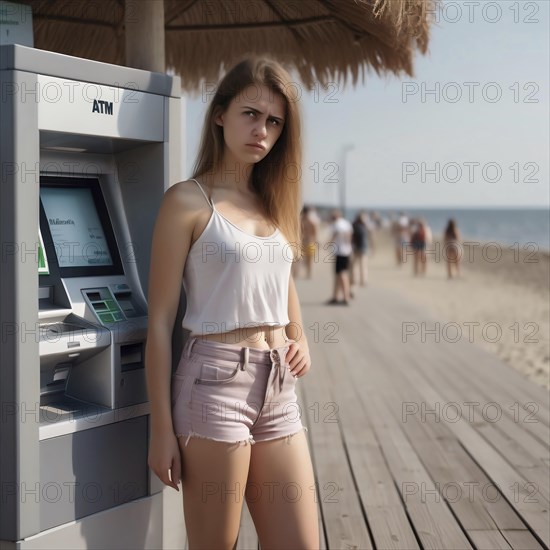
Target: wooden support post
[144,20]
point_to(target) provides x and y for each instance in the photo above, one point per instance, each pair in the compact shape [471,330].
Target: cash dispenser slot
[131,357]
[66,341]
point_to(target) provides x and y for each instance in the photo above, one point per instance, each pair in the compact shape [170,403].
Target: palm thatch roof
[323,40]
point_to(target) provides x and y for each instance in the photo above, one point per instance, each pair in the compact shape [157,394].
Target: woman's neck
[228,180]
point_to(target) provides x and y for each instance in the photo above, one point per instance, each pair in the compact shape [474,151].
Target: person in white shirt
[401,231]
[342,231]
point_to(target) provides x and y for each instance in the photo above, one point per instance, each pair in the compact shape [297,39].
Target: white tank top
[235,280]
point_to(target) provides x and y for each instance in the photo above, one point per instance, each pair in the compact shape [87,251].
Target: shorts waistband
[234,352]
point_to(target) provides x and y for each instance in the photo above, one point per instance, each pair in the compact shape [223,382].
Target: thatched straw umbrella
[323,40]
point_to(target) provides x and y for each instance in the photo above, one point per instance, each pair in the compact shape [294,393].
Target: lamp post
[348,147]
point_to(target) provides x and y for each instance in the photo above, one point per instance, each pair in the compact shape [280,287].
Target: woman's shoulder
[183,186]
[183,205]
[185,193]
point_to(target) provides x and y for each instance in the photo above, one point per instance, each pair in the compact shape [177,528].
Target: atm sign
[105,107]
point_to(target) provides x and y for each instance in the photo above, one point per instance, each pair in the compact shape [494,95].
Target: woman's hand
[164,455]
[298,358]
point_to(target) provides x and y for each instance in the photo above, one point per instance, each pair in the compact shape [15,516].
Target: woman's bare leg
[213,484]
[281,494]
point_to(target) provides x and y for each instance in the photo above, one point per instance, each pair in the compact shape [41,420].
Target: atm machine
[87,150]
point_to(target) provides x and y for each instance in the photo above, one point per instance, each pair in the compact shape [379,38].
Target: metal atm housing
[87,152]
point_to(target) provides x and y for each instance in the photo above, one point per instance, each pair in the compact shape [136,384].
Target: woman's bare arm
[170,246]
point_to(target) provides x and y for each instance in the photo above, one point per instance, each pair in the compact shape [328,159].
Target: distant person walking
[418,244]
[428,237]
[376,220]
[360,241]
[452,248]
[309,242]
[342,231]
[401,235]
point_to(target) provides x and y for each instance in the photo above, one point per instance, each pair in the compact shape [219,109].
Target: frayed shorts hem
[242,441]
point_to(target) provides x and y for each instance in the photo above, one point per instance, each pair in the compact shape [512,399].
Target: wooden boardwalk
[435,445]
[416,443]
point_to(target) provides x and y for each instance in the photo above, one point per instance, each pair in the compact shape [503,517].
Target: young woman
[229,425]
[452,248]
[418,243]
[360,241]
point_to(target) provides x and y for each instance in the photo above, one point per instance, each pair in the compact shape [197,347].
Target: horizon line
[432,207]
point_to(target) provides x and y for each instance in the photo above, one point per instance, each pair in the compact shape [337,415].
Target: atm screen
[77,233]
[79,226]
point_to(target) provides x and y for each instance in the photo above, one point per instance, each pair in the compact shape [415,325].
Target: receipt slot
[87,151]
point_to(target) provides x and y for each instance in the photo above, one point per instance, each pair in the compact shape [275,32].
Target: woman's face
[252,124]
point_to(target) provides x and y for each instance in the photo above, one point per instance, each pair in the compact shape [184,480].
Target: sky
[480,139]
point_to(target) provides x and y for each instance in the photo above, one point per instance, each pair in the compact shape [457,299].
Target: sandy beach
[500,302]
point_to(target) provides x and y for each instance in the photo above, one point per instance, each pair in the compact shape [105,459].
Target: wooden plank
[533,510]
[521,540]
[343,518]
[489,540]
[370,367]
[390,529]
[386,516]
[453,470]
[520,448]
[437,459]
[304,405]
[524,452]
[491,370]
[440,530]
[485,369]
[520,491]
[431,521]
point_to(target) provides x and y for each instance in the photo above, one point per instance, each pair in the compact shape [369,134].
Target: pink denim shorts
[234,394]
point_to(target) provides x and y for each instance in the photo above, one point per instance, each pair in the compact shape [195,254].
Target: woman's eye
[274,120]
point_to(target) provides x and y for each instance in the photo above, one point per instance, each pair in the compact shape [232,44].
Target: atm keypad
[105,307]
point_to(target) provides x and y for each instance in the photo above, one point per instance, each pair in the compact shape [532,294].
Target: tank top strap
[210,202]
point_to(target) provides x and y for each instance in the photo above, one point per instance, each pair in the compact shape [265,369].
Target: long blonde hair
[276,179]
